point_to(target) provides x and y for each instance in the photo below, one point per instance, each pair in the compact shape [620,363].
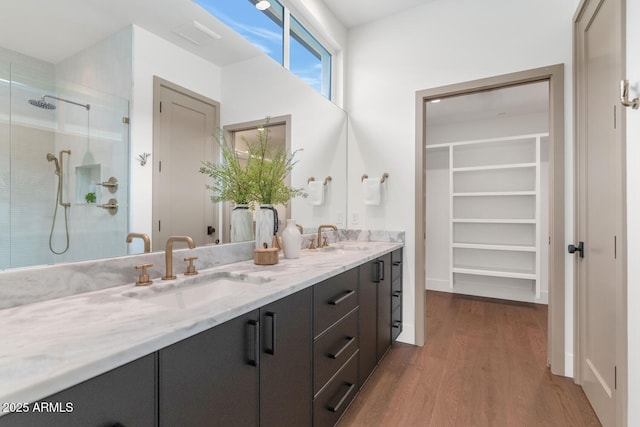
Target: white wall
[436,44]
[633,213]
[259,87]
[153,56]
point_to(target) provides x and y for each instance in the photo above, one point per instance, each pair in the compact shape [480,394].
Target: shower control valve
[112,206]
[111,184]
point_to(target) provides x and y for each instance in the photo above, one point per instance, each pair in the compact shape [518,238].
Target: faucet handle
[191,269]
[325,241]
[143,279]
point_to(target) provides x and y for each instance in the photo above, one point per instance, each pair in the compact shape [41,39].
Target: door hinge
[160,166]
[125,120]
[615,247]
[161,106]
[159,226]
[615,377]
[615,118]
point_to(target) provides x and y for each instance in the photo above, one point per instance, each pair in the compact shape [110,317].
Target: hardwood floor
[484,364]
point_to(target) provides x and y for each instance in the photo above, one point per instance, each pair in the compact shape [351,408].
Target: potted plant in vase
[269,166]
[232,182]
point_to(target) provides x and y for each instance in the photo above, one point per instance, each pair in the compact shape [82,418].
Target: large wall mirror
[76,120]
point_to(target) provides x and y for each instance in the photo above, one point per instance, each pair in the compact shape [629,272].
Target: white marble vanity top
[49,346]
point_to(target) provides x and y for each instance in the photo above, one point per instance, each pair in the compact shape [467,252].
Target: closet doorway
[491,186]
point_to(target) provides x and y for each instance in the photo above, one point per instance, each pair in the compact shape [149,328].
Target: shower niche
[87,187]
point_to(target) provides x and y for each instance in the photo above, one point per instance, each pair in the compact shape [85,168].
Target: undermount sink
[195,291]
[346,246]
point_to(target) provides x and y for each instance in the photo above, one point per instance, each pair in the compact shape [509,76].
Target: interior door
[184,128]
[600,203]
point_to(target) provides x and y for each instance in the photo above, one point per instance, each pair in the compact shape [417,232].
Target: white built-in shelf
[512,274]
[514,159]
[495,167]
[493,221]
[493,247]
[494,193]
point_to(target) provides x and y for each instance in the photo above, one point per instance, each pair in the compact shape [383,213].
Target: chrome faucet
[320,228]
[168,254]
[144,237]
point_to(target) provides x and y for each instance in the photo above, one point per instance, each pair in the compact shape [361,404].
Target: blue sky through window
[308,59]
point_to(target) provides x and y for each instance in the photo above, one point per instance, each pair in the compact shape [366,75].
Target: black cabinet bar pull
[342,349]
[336,407]
[342,298]
[397,294]
[272,350]
[377,274]
[397,263]
[397,324]
[256,342]
[382,270]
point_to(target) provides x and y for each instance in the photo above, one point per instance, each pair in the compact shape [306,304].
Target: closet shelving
[494,216]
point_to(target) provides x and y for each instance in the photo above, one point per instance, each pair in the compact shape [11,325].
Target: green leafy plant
[90,197]
[231,178]
[268,167]
[260,178]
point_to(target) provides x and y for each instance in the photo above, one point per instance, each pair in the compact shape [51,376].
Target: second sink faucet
[168,254]
[320,228]
[145,239]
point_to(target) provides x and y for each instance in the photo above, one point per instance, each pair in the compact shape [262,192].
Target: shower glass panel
[55,151]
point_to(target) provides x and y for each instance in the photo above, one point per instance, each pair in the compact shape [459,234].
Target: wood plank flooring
[484,364]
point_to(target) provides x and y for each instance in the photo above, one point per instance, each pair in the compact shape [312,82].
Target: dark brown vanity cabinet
[335,346]
[125,396]
[378,300]
[251,370]
[396,293]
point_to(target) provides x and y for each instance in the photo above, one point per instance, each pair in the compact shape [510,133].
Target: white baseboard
[568,365]
[438,285]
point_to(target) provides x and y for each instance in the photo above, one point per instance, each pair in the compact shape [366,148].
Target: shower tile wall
[28,181]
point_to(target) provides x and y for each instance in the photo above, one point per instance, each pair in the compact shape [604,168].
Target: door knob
[580,249]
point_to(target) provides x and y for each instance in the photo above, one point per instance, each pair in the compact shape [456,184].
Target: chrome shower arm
[87,106]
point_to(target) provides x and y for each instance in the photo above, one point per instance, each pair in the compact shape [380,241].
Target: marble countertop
[51,345]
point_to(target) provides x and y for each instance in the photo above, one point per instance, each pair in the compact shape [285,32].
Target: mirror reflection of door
[244,133]
[184,125]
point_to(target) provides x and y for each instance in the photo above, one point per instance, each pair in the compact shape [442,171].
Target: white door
[600,203]
[184,132]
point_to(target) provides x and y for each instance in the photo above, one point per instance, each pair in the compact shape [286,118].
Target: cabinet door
[285,361]
[211,379]
[125,396]
[384,304]
[368,321]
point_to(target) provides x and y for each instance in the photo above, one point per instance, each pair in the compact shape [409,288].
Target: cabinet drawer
[334,348]
[333,299]
[396,299]
[396,264]
[396,323]
[336,396]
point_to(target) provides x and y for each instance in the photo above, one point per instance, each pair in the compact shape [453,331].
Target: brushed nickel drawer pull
[342,298]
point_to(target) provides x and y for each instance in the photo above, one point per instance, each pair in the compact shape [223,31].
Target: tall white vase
[241,224]
[291,239]
[265,225]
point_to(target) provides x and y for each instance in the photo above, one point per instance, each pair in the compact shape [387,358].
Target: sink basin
[195,291]
[346,246]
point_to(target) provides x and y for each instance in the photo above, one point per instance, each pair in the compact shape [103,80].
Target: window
[301,53]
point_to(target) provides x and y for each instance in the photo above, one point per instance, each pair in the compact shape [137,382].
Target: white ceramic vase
[265,226]
[241,224]
[291,240]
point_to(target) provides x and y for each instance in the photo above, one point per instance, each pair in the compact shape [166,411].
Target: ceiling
[357,12]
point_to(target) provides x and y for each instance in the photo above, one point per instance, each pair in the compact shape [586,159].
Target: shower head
[53,158]
[41,103]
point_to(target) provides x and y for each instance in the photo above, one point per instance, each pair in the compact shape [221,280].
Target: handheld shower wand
[60,173]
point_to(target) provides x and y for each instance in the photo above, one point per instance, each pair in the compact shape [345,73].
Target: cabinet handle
[272,350]
[342,298]
[256,342]
[342,349]
[396,324]
[397,263]
[336,407]
[397,294]
[378,271]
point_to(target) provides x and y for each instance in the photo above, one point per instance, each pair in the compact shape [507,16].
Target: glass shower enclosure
[64,180]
